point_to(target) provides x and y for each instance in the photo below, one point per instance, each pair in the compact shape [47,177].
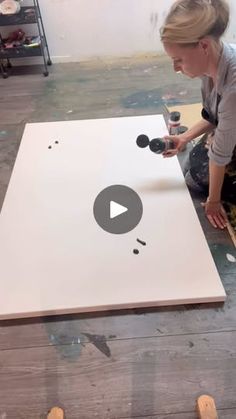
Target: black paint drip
[136,251]
[49,146]
[141,242]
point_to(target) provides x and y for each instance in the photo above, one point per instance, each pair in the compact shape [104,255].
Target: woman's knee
[191,183]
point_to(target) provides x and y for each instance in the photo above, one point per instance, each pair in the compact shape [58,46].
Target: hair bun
[188,21]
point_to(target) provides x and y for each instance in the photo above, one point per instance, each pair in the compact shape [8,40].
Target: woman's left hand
[215,213]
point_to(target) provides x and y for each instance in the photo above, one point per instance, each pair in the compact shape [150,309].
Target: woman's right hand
[179,141]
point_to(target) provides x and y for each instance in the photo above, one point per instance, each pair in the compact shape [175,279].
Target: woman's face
[189,60]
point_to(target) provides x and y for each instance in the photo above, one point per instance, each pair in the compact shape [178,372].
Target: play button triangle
[116,209]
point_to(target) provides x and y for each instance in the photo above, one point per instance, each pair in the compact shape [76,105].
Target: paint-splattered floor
[137,363]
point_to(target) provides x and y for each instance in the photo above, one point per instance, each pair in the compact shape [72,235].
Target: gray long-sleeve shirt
[224,92]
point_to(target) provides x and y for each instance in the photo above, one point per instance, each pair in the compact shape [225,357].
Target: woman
[191,36]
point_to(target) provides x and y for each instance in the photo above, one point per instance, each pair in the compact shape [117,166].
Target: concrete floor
[134,363]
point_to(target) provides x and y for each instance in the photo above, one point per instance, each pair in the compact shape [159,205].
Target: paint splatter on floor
[66,338]
[99,341]
[69,347]
[219,253]
[149,99]
[231,214]
[230,258]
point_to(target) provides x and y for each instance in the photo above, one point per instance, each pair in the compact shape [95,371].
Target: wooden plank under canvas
[190,114]
[54,258]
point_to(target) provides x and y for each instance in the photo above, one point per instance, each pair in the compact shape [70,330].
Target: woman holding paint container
[191,36]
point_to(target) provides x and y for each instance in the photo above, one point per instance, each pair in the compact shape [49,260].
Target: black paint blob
[141,242]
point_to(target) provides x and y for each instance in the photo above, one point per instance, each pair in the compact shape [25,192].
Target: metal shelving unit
[26,15]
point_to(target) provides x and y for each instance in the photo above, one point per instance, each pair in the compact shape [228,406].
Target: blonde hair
[188,21]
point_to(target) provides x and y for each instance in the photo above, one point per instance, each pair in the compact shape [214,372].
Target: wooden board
[190,114]
[55,259]
[206,407]
[231,224]
[56,413]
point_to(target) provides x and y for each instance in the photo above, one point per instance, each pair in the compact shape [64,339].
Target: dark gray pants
[196,173]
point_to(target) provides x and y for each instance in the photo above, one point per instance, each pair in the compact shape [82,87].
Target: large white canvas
[54,258]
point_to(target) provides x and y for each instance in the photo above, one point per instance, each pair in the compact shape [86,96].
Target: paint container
[174,123]
[158,145]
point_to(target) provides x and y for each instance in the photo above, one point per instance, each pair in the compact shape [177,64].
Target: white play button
[116,209]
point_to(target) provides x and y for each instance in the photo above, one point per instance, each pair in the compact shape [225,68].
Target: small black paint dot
[49,146]
[56,142]
[136,251]
[141,242]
